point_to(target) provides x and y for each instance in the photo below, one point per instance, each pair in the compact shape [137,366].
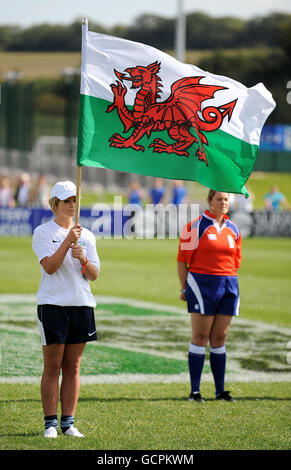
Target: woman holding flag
[208,259]
[68,257]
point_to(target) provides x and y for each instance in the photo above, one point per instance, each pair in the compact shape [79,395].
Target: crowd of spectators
[24,191]
[275,200]
[157,193]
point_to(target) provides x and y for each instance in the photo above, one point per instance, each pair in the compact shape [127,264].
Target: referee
[208,259]
[69,260]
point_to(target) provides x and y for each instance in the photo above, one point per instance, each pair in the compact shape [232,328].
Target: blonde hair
[53,202]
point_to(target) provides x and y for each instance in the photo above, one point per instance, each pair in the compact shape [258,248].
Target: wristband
[84,266]
[183,291]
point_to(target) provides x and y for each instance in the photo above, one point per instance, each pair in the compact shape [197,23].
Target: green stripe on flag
[230,160]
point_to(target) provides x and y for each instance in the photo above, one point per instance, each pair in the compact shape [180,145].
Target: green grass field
[134,384]
[155,417]
[39,64]
[146,270]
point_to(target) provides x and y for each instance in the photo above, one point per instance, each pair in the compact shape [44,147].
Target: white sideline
[249,376]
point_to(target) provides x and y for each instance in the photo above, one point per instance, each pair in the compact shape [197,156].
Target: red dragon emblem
[179,114]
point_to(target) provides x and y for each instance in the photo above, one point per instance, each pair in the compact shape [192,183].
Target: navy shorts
[208,294]
[66,325]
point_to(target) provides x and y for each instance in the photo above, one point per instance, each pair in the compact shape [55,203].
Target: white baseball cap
[63,190]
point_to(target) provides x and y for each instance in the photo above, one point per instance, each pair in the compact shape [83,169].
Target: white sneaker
[51,432]
[72,431]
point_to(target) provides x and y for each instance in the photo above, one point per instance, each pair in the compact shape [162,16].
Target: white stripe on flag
[102,54]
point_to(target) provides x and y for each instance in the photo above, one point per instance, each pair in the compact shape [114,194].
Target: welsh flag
[143,112]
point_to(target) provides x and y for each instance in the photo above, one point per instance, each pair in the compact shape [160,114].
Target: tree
[153,30]
[206,32]
[6,33]
[284,38]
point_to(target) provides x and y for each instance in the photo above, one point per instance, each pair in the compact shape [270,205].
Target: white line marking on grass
[18,298]
[248,376]
[235,374]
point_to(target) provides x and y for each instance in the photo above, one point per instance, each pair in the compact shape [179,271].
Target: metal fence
[41,142]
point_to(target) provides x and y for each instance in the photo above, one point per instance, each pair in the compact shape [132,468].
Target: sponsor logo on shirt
[211,236]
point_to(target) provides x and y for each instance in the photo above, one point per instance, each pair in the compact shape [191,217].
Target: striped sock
[67,422]
[51,421]
[196,358]
[218,364]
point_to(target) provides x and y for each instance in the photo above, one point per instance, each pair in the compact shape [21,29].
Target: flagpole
[180,32]
[78,194]
[79,168]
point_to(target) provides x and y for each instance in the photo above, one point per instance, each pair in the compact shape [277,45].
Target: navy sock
[218,364]
[51,421]
[66,422]
[196,358]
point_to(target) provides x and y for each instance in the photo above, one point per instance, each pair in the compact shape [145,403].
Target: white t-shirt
[66,287]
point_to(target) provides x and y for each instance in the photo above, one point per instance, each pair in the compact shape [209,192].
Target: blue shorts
[208,294]
[66,325]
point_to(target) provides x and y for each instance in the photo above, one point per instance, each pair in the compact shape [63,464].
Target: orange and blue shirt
[207,248]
